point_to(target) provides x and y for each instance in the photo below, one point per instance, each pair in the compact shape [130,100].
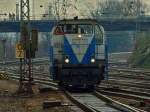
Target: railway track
[141,96]
[96,102]
[133,79]
[42,81]
[130,75]
[35,61]
[136,99]
[89,102]
[132,70]
[127,86]
[125,83]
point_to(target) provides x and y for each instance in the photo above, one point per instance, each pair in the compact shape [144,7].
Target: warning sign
[19,51]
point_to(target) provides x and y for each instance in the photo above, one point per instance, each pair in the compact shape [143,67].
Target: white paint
[79,45]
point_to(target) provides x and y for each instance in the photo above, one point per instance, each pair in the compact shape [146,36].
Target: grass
[141,53]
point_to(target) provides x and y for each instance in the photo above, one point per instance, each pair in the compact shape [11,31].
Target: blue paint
[51,54]
[14,26]
[90,51]
[106,59]
[69,52]
[53,75]
[47,25]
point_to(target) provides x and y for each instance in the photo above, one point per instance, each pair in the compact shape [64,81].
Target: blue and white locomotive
[78,56]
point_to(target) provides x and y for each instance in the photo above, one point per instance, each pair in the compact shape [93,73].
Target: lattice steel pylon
[26,77]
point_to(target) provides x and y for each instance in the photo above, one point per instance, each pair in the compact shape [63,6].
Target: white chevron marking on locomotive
[76,43]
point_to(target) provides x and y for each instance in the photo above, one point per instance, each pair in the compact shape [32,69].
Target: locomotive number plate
[79,41]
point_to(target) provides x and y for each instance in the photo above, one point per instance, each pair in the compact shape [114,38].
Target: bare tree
[61,8]
[116,8]
[134,7]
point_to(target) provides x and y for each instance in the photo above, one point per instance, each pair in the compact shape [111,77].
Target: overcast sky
[7,6]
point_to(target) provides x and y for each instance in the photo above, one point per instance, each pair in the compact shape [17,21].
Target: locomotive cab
[77,53]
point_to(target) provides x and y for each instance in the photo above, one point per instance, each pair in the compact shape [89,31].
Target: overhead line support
[26,77]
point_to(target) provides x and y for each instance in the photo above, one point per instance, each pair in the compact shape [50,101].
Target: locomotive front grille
[81,74]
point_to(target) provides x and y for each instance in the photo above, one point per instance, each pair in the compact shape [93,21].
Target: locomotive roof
[78,21]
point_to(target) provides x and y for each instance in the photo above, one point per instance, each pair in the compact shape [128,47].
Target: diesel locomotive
[78,55]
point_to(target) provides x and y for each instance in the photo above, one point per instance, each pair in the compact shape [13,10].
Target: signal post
[25,50]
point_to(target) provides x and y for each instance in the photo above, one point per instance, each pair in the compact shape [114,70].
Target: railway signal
[34,40]
[19,51]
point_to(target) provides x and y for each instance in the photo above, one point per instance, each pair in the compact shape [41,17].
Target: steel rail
[130,70]
[123,93]
[146,94]
[42,81]
[117,104]
[127,84]
[36,60]
[79,104]
[109,101]
[133,76]
[141,82]
[86,106]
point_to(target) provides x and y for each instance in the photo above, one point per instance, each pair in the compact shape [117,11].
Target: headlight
[92,60]
[67,60]
[79,35]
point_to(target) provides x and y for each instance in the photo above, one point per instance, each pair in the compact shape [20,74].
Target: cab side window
[59,30]
[98,35]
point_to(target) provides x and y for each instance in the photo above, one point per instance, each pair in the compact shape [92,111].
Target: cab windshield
[76,28]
